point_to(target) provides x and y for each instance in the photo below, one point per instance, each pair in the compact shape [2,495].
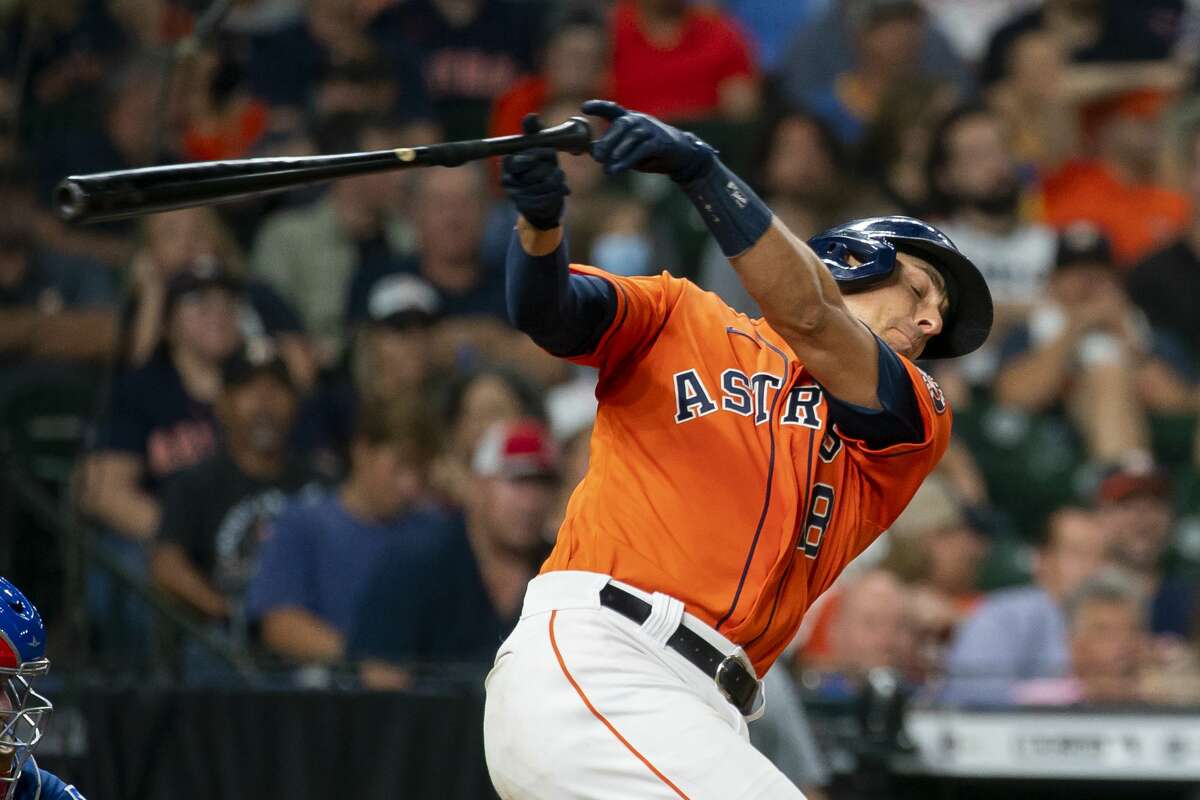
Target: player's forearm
[788,281]
[300,636]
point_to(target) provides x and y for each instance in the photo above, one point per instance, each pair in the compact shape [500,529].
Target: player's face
[908,310]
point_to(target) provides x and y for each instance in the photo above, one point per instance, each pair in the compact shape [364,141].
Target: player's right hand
[647,144]
[535,182]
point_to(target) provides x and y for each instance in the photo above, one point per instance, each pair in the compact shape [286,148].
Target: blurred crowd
[307,426]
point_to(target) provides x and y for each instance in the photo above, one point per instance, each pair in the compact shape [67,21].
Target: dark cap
[1123,483]
[204,273]
[402,301]
[258,357]
[1083,242]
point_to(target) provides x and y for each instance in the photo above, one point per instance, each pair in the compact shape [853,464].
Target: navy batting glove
[535,182]
[642,142]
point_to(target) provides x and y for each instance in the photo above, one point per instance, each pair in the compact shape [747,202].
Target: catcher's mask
[22,657]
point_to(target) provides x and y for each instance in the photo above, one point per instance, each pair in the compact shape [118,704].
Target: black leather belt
[733,679]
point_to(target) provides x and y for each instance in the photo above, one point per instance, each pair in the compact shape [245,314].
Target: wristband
[733,212]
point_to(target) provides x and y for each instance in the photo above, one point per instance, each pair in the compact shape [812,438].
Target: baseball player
[737,466]
[23,656]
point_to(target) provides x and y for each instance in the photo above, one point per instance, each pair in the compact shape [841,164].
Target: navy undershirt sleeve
[563,313]
[899,419]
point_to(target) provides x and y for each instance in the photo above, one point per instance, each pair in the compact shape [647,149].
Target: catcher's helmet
[22,656]
[874,242]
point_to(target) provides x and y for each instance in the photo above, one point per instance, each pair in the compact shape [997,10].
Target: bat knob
[70,201]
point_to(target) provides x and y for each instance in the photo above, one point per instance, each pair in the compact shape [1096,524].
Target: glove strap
[733,212]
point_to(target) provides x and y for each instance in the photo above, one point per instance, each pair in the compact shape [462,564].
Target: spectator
[285,63]
[1120,189]
[369,87]
[453,605]
[197,238]
[975,185]
[222,119]
[473,402]
[833,46]
[160,419]
[392,357]
[309,254]
[1106,631]
[1078,351]
[574,67]
[54,309]
[1134,506]
[1165,283]
[679,61]
[771,26]
[448,216]
[870,629]
[935,548]
[116,136]
[214,514]
[895,147]
[1090,32]
[317,557]
[470,53]
[1020,634]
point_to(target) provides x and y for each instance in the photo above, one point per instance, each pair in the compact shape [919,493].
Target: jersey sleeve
[887,477]
[644,304]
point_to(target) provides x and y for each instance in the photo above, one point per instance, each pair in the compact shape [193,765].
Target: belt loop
[666,613]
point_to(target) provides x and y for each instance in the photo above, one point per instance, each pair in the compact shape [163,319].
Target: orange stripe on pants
[599,716]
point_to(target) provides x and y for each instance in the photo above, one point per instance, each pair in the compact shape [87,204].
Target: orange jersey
[715,475]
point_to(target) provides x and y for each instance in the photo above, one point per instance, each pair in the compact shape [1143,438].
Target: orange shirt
[715,475]
[1137,218]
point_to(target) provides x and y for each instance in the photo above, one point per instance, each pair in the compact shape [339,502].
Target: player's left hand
[535,182]
[642,142]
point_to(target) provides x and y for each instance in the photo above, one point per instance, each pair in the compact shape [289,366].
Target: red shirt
[682,80]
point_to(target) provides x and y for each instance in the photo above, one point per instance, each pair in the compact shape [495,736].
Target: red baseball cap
[516,449]
[1122,484]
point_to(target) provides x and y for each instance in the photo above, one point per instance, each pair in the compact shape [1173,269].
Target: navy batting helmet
[874,242]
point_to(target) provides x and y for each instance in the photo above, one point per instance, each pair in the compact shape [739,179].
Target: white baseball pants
[583,703]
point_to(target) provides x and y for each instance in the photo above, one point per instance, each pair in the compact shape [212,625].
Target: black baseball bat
[132,192]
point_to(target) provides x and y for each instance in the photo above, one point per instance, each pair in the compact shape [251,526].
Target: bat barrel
[128,193]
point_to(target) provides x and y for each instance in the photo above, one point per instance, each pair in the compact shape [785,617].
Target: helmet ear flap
[875,257]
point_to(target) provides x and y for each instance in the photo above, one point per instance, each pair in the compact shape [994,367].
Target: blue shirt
[1015,635]
[319,558]
[429,605]
[38,784]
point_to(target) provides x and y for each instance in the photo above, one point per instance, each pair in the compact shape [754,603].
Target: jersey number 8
[820,511]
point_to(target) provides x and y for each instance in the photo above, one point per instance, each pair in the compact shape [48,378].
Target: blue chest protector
[38,784]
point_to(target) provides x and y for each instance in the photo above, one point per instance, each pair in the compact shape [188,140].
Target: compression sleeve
[899,419]
[564,313]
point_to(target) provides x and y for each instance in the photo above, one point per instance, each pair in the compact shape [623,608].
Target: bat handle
[573,136]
